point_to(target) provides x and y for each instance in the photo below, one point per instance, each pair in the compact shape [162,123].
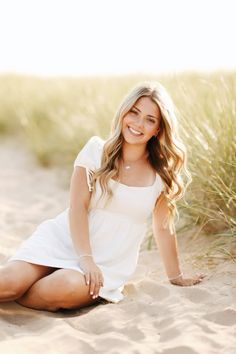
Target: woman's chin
[134,140]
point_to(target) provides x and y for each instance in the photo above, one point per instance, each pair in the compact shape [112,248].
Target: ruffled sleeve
[89,157]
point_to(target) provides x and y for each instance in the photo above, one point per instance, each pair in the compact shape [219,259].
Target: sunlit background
[97,37]
[65,66]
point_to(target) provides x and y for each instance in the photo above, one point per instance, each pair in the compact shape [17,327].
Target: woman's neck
[132,153]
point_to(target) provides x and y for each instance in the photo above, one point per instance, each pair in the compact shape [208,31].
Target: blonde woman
[90,250]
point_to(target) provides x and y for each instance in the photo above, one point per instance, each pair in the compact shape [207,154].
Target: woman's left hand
[184,281]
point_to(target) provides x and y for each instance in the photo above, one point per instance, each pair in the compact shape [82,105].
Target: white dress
[116,230]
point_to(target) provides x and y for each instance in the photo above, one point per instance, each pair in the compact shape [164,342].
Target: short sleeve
[88,158]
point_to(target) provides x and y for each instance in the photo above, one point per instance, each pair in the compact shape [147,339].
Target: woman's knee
[10,287]
[63,289]
[72,289]
[17,277]
[76,284]
[68,282]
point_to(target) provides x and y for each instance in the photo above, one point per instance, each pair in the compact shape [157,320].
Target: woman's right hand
[93,275]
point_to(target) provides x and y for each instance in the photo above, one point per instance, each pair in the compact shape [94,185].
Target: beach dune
[154,317]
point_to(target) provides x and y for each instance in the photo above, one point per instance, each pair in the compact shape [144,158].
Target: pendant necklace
[128,166]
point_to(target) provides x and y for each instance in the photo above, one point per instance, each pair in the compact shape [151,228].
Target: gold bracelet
[180,275]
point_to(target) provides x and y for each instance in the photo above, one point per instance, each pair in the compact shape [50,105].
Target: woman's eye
[133,112]
[151,120]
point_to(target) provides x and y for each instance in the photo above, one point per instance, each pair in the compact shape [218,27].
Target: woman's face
[141,122]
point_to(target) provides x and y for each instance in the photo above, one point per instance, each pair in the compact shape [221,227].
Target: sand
[154,317]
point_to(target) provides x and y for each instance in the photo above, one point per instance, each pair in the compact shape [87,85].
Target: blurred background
[107,37]
[66,65]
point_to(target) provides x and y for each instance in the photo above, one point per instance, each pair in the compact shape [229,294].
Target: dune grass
[56,116]
[208,128]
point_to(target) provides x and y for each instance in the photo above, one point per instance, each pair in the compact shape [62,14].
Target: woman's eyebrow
[148,115]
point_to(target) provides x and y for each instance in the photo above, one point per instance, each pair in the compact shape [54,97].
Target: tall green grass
[208,126]
[56,116]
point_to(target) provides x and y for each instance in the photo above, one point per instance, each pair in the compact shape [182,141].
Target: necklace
[128,166]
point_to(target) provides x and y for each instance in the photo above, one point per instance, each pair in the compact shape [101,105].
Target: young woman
[90,250]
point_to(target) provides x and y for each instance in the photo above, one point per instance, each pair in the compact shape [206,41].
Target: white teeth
[134,131]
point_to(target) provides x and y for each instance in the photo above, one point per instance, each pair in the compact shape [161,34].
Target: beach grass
[56,116]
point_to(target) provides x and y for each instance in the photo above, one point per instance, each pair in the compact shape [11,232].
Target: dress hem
[52,264]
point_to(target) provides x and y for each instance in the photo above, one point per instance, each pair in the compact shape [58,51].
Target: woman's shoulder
[90,154]
[96,140]
[94,149]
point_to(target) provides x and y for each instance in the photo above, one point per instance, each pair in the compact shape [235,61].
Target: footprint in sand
[169,334]
[104,323]
[132,332]
[157,291]
[131,309]
[224,318]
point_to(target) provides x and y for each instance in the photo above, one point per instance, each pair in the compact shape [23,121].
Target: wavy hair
[167,153]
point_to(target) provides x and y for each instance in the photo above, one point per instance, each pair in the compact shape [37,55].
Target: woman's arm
[78,211]
[167,244]
[79,228]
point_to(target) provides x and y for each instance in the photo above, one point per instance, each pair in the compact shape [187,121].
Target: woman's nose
[139,122]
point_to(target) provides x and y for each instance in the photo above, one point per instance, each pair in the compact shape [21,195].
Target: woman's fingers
[195,280]
[97,286]
[93,278]
[87,278]
[199,277]
[189,281]
[92,283]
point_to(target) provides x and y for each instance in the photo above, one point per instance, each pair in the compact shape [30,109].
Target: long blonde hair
[167,154]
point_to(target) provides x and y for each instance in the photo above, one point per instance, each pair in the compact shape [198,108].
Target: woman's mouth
[134,132]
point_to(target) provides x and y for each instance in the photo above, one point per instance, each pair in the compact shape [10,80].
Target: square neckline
[125,185]
[142,187]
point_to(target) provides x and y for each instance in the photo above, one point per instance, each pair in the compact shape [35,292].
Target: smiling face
[141,122]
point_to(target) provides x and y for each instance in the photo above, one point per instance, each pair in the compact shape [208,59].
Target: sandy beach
[154,317]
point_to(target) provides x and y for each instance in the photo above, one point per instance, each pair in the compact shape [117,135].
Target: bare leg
[16,277]
[62,289]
